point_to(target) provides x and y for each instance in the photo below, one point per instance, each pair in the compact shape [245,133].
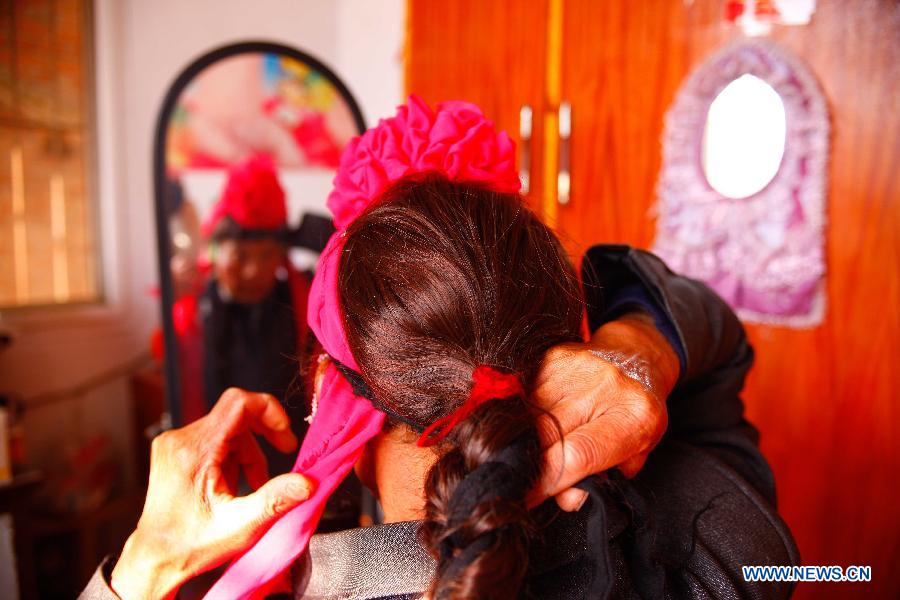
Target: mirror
[743,141]
[248,141]
[741,192]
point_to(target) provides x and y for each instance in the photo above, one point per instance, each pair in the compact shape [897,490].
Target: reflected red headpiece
[252,197]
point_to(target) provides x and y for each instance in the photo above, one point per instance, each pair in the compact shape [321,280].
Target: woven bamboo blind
[48,245]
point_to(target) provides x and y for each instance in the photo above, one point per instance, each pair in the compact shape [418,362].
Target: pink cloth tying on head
[340,429]
[456,140]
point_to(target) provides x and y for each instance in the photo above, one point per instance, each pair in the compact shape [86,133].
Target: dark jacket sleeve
[707,481]
[705,409]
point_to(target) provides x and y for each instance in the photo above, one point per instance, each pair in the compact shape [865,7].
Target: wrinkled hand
[609,398]
[192,520]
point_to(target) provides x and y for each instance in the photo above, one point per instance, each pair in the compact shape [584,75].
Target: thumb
[274,498]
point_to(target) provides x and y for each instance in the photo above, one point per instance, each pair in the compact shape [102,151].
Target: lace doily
[765,253]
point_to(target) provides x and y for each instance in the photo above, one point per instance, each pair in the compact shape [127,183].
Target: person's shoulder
[98,588]
[685,526]
[380,562]
[711,522]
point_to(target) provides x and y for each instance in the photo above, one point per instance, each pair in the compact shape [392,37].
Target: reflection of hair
[437,278]
[173,195]
[227,229]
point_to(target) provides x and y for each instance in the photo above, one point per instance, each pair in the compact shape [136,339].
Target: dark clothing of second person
[254,347]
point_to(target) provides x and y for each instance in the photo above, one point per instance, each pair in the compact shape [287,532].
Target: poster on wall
[259,103]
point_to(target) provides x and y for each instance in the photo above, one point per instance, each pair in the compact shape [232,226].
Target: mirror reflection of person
[249,315]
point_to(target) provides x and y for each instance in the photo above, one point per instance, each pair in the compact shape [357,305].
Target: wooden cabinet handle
[525,121]
[563,178]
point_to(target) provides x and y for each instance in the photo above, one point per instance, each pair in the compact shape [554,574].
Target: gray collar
[387,561]
[371,562]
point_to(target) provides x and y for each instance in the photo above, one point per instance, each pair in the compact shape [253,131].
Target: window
[48,239]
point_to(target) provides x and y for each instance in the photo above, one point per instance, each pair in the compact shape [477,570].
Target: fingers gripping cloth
[455,140]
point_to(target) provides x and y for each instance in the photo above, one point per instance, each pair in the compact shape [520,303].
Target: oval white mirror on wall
[741,193]
[743,141]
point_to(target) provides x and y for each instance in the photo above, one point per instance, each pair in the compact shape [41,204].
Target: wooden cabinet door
[489,53]
[622,63]
[826,399]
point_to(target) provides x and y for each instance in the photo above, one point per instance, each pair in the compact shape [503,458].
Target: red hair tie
[487,384]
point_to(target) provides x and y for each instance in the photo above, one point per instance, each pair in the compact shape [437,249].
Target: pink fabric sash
[332,445]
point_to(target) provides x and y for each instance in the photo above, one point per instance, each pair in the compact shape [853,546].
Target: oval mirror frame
[764,253]
[184,78]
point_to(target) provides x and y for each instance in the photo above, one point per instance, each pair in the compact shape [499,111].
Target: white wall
[369,53]
[141,45]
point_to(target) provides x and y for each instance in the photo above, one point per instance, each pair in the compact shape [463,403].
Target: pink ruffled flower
[252,197]
[455,139]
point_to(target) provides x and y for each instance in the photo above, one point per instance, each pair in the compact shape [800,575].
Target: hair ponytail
[477,524]
[437,278]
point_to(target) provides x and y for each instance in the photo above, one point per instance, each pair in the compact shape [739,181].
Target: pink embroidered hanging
[764,253]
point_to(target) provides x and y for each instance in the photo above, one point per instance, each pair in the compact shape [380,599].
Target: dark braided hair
[437,278]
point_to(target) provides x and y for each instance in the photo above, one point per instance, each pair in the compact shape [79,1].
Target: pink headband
[456,140]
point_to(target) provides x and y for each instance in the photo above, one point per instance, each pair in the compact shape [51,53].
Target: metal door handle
[525,121]
[563,177]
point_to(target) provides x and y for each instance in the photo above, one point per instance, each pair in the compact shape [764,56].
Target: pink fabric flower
[455,139]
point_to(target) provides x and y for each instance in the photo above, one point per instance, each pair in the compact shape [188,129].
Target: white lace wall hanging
[764,253]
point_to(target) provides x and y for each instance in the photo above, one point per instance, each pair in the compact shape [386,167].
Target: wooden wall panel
[826,400]
[490,53]
[622,63]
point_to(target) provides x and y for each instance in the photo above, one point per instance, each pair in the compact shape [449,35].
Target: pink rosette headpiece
[455,140]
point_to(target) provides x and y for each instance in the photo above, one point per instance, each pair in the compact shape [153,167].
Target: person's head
[247,228]
[246,270]
[436,279]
